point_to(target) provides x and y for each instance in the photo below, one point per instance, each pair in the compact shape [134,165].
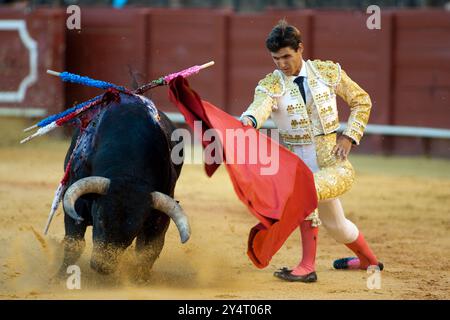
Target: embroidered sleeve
[260,108]
[360,105]
[264,99]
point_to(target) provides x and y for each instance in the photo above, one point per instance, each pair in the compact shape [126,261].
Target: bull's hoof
[55,280]
[102,268]
[59,277]
[142,274]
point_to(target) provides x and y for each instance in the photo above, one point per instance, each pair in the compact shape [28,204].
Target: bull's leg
[150,241]
[74,242]
[74,245]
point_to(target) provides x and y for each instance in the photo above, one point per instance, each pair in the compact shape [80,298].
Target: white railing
[377,129]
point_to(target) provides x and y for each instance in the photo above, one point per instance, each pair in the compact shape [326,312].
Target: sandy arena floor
[401,204]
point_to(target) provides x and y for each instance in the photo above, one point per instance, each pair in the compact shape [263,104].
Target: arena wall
[405,66]
[31,43]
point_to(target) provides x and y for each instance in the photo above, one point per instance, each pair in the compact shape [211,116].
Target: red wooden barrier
[178,39]
[405,66]
[109,42]
[421,90]
[31,44]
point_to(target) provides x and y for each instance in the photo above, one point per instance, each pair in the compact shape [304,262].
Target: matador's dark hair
[283,35]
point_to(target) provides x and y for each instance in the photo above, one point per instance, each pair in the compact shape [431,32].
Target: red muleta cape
[280,201]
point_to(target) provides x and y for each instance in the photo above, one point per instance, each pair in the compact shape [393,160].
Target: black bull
[122,184]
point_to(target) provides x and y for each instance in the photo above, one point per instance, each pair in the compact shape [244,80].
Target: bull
[122,183]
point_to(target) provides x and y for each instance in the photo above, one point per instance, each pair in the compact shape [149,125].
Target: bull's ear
[134,77]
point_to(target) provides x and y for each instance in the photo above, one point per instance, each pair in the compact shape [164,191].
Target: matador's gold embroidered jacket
[278,96]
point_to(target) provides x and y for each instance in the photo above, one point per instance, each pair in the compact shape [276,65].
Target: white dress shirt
[307,152]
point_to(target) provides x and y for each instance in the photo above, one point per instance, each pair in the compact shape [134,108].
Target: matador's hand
[342,147]
[246,121]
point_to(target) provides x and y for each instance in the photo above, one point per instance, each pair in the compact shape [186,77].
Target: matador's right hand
[246,121]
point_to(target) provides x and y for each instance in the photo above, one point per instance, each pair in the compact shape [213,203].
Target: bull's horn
[169,206]
[93,184]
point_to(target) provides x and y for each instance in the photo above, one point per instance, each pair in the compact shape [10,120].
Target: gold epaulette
[272,84]
[328,71]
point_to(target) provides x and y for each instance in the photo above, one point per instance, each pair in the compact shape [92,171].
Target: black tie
[299,82]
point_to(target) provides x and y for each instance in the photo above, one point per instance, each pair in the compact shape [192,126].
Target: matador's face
[288,60]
